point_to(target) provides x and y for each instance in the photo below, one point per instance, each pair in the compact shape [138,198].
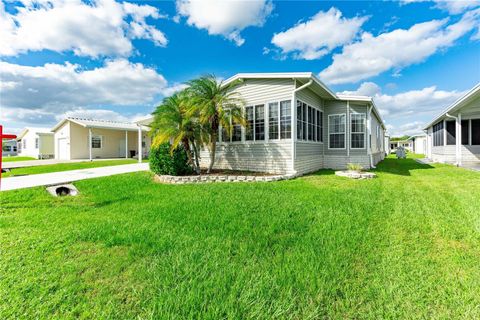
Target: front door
[62,149]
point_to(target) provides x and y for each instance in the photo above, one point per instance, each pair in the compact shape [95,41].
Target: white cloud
[226,18]
[366,89]
[319,35]
[406,129]
[397,49]
[427,101]
[117,82]
[99,28]
[452,6]
[405,113]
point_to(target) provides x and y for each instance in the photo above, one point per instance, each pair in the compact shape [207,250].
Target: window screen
[438,134]
[465,132]
[250,123]
[476,132]
[451,136]
[285,120]
[259,122]
[273,120]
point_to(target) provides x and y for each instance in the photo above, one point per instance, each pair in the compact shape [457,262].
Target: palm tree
[215,104]
[172,123]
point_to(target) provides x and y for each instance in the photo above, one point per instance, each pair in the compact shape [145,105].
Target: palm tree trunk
[186,145]
[195,155]
[213,147]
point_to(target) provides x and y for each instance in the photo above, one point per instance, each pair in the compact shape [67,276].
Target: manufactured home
[419,143]
[406,144]
[296,124]
[454,135]
[36,143]
[79,138]
[9,148]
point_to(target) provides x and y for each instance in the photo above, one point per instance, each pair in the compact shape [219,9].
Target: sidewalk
[53,178]
[34,163]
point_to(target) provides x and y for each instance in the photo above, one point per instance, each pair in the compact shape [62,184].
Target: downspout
[369,137]
[457,147]
[294,119]
[347,131]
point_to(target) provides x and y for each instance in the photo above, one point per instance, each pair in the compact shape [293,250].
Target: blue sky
[111,60]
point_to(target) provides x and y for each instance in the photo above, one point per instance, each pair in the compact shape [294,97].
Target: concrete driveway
[54,178]
[34,163]
[472,166]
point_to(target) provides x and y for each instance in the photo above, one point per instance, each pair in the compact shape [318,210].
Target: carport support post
[90,143]
[459,139]
[126,144]
[139,144]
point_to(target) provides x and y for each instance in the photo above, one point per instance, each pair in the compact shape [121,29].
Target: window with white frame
[224,134]
[285,120]
[259,122]
[24,144]
[96,142]
[273,123]
[249,130]
[310,123]
[357,132]
[299,120]
[319,126]
[336,130]
[236,132]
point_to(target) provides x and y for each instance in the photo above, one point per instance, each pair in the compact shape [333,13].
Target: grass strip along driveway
[404,245]
[17,158]
[65,167]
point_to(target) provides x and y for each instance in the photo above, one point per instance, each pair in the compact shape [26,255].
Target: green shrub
[354,167]
[162,162]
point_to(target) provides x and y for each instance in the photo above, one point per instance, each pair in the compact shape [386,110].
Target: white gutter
[369,140]
[294,119]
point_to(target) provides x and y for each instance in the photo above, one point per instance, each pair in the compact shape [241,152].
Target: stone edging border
[219,178]
[355,174]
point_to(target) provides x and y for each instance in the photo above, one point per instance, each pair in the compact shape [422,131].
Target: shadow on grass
[322,172]
[400,166]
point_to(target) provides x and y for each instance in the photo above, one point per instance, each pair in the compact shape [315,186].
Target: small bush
[162,162]
[354,167]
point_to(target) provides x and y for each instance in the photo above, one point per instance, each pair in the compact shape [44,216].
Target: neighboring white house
[36,143]
[297,124]
[454,135]
[406,144]
[9,148]
[419,143]
[78,138]
[387,145]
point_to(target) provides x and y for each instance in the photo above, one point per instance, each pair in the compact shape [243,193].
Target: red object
[4,136]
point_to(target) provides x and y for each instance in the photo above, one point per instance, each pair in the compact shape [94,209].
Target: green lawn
[16,158]
[403,246]
[65,167]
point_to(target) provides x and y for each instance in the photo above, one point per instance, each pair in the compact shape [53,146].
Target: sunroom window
[259,122]
[250,124]
[273,120]
[285,120]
